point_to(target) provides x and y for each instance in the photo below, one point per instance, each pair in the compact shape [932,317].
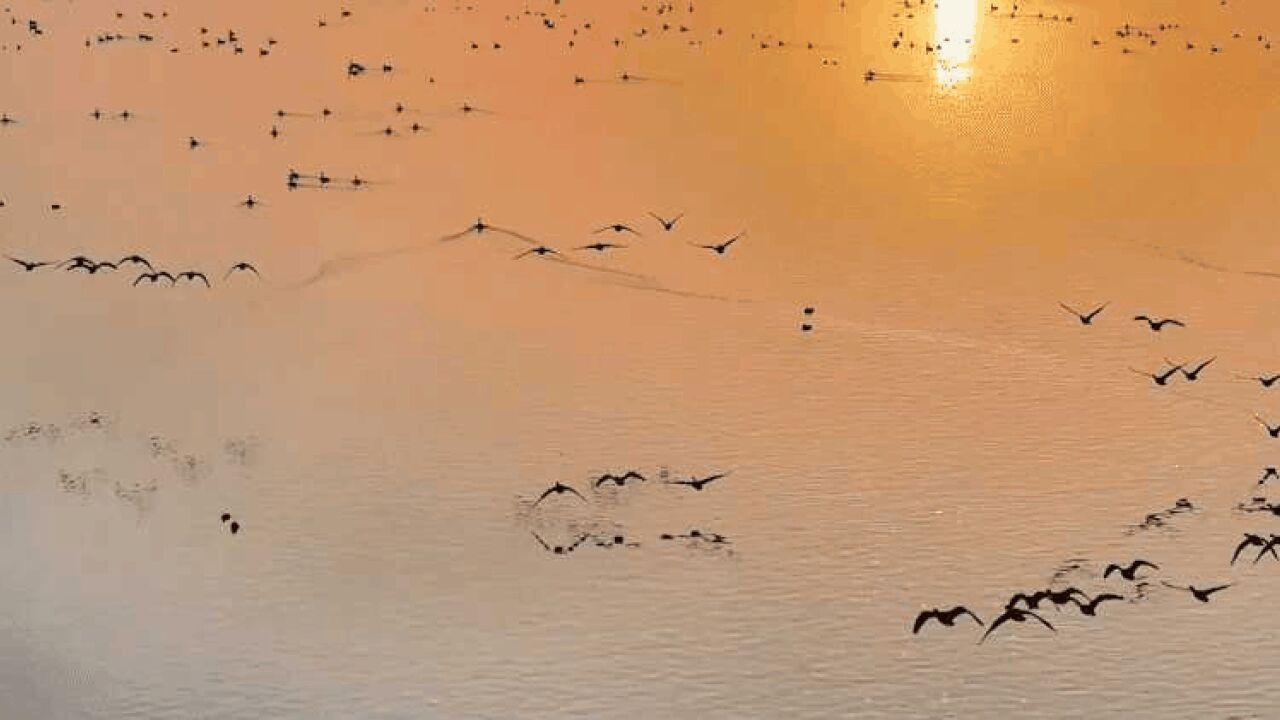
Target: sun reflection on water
[955,30]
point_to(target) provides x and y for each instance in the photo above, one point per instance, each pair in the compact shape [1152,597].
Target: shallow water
[380,411]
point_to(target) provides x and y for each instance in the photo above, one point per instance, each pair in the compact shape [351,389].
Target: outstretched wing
[1110,569]
[966,611]
[1069,309]
[921,619]
[575,492]
[995,625]
[1212,590]
[541,542]
[1171,321]
[1042,620]
[1141,563]
[1240,548]
[1097,310]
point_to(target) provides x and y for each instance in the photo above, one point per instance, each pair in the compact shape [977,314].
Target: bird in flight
[601,246]
[1085,319]
[1130,572]
[242,267]
[1200,594]
[1091,608]
[1269,473]
[154,277]
[1250,540]
[1013,615]
[28,265]
[619,480]
[1159,378]
[90,267]
[558,489]
[480,227]
[560,549]
[721,247]
[1266,381]
[698,483]
[667,224]
[136,260]
[250,202]
[1193,374]
[946,617]
[1157,324]
[616,227]
[1269,547]
[1272,431]
[192,275]
[540,250]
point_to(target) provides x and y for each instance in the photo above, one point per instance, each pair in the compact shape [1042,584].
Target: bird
[235,527]
[1085,319]
[1200,594]
[192,275]
[242,267]
[1269,547]
[1013,615]
[558,489]
[946,617]
[154,277]
[91,267]
[1032,601]
[667,224]
[697,483]
[28,265]
[560,549]
[1266,381]
[1269,473]
[225,517]
[1272,431]
[1193,374]
[1250,540]
[601,246]
[250,202]
[1157,324]
[616,227]
[136,260]
[1160,378]
[619,480]
[1128,573]
[720,248]
[540,250]
[1091,608]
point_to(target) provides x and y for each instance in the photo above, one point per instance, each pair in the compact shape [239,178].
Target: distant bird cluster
[149,275]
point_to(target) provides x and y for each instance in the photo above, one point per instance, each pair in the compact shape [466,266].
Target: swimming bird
[667,224]
[1194,374]
[1085,319]
[1201,595]
[28,265]
[698,483]
[619,480]
[1157,325]
[540,250]
[1091,608]
[558,489]
[1272,431]
[1128,573]
[616,227]
[242,267]
[1013,615]
[722,247]
[946,617]
[154,277]
[1161,378]
[192,275]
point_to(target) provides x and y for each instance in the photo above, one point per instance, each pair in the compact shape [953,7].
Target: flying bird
[560,549]
[697,483]
[1013,615]
[601,246]
[1250,540]
[558,489]
[1091,608]
[1157,324]
[721,248]
[616,227]
[1270,547]
[242,267]
[946,617]
[540,251]
[1085,319]
[136,260]
[1159,378]
[28,265]
[1201,595]
[667,224]
[192,275]
[619,480]
[1272,431]
[1193,374]
[1130,572]
[154,277]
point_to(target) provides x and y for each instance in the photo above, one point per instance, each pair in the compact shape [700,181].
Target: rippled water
[380,411]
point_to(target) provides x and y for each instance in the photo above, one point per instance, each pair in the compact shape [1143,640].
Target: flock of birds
[150,275]
[1021,607]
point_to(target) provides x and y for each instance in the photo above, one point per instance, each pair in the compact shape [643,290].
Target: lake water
[381,409]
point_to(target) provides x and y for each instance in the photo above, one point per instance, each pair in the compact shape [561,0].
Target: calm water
[381,409]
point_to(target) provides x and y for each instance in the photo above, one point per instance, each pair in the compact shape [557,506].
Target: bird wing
[1240,548]
[1110,569]
[549,491]
[1175,587]
[1141,318]
[526,252]
[921,619]
[1171,321]
[712,478]
[202,278]
[575,492]
[541,542]
[966,611]
[604,479]
[143,276]
[995,625]
[1105,596]
[1069,309]
[1097,310]
[1212,590]
[1139,563]
[1205,364]
[1042,620]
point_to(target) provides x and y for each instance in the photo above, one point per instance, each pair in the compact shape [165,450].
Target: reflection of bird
[946,617]
[558,489]
[1085,319]
[667,224]
[619,480]
[1157,324]
[1091,607]
[1013,615]
[1128,573]
[697,483]
[28,265]
[1201,595]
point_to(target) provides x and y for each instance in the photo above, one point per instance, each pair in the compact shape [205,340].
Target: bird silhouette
[1250,540]
[1193,374]
[28,265]
[1011,614]
[721,248]
[1201,595]
[540,251]
[192,275]
[1273,431]
[617,228]
[698,483]
[250,202]
[1160,378]
[91,267]
[1157,324]
[154,277]
[601,246]
[1129,572]
[667,224]
[946,617]
[1269,473]
[558,489]
[1266,381]
[242,267]
[1085,319]
[619,480]
[136,260]
[1091,608]
[560,549]
[225,517]
[1269,547]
